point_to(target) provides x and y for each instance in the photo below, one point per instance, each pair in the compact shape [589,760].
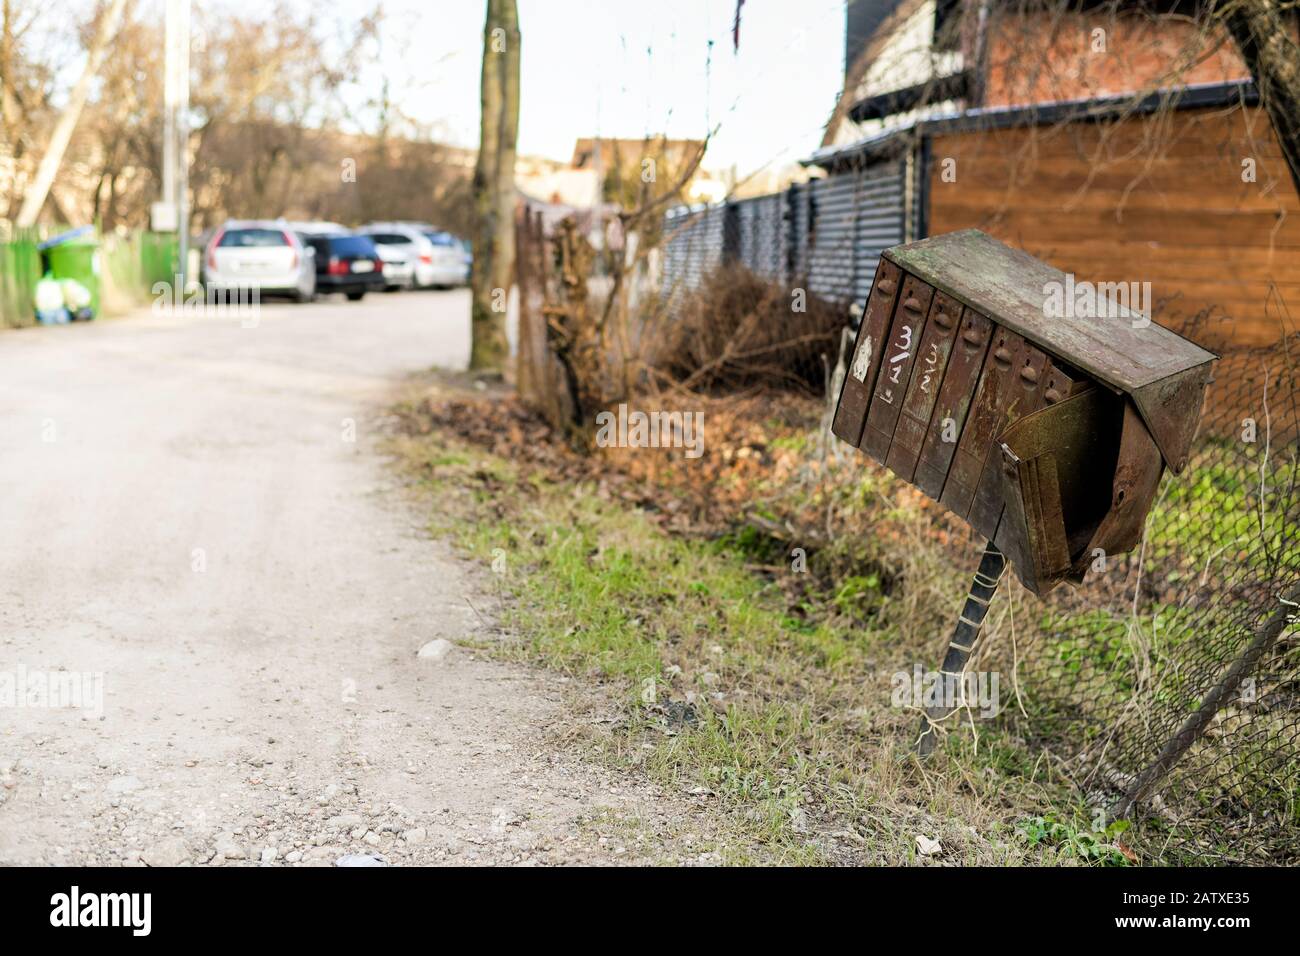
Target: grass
[730,692]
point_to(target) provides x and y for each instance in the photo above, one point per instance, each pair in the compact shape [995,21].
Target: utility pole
[173,212]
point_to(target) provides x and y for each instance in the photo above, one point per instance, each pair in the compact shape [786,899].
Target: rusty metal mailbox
[1045,426]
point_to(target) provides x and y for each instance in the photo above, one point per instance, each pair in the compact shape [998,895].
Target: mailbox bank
[1042,417]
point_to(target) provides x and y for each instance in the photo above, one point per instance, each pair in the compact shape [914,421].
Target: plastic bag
[48,299]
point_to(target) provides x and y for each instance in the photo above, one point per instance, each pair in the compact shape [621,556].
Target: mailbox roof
[1011,288]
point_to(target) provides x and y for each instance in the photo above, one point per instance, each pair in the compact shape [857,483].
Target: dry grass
[762,689]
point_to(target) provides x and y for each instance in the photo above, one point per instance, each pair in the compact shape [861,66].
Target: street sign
[163,217]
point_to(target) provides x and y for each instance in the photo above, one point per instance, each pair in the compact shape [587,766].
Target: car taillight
[426,258]
[337,266]
[289,242]
[212,249]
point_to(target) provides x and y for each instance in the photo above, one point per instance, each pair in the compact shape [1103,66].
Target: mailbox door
[860,378]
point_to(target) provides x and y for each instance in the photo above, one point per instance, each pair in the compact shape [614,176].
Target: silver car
[265,255]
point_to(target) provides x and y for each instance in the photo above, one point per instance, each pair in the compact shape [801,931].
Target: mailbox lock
[1029,374]
[973,337]
[912,305]
[1003,356]
[943,320]
[886,286]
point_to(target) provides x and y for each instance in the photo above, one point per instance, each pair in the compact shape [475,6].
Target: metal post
[1283,615]
[183,139]
[964,638]
[176,104]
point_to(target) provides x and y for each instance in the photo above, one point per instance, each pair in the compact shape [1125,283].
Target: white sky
[620,68]
[626,68]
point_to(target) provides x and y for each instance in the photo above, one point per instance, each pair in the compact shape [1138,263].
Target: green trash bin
[77,257]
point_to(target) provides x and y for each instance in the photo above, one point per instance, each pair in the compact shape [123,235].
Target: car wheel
[356,296]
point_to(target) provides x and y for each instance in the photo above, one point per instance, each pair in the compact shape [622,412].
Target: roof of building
[888,141]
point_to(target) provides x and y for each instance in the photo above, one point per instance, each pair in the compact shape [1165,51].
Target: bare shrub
[739,330]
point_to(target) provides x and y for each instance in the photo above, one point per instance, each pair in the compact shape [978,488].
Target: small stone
[371,839]
[226,847]
[293,856]
[169,852]
[269,854]
[927,847]
[416,835]
[435,650]
[360,859]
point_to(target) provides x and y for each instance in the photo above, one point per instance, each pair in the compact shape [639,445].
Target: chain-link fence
[1172,674]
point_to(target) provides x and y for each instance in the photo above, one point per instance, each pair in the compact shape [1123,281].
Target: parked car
[264,255]
[430,264]
[450,263]
[399,249]
[450,260]
[318,227]
[346,263]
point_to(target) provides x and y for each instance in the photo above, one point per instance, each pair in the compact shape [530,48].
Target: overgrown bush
[739,330]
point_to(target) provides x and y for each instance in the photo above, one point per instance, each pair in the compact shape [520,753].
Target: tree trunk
[494,187]
[40,186]
[1264,39]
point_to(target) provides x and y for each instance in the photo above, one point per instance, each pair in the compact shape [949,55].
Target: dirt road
[211,600]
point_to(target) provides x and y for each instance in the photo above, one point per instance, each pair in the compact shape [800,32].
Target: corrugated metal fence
[825,235]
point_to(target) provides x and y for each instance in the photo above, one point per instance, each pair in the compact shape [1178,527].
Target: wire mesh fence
[1171,676]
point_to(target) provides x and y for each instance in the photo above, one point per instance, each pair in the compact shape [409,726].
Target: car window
[440,239]
[352,246]
[246,238]
[390,238]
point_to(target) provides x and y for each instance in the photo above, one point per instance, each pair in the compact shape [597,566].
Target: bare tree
[1265,38]
[40,187]
[494,186]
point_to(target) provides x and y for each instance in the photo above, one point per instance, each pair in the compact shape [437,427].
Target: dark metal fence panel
[830,262]
[880,220]
[692,246]
[826,234]
[796,217]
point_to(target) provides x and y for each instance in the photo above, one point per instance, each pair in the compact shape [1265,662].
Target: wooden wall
[1157,198]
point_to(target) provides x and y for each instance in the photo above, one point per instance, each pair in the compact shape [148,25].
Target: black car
[346,263]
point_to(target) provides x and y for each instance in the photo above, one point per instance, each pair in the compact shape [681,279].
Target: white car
[399,263]
[434,265]
[451,264]
[264,255]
